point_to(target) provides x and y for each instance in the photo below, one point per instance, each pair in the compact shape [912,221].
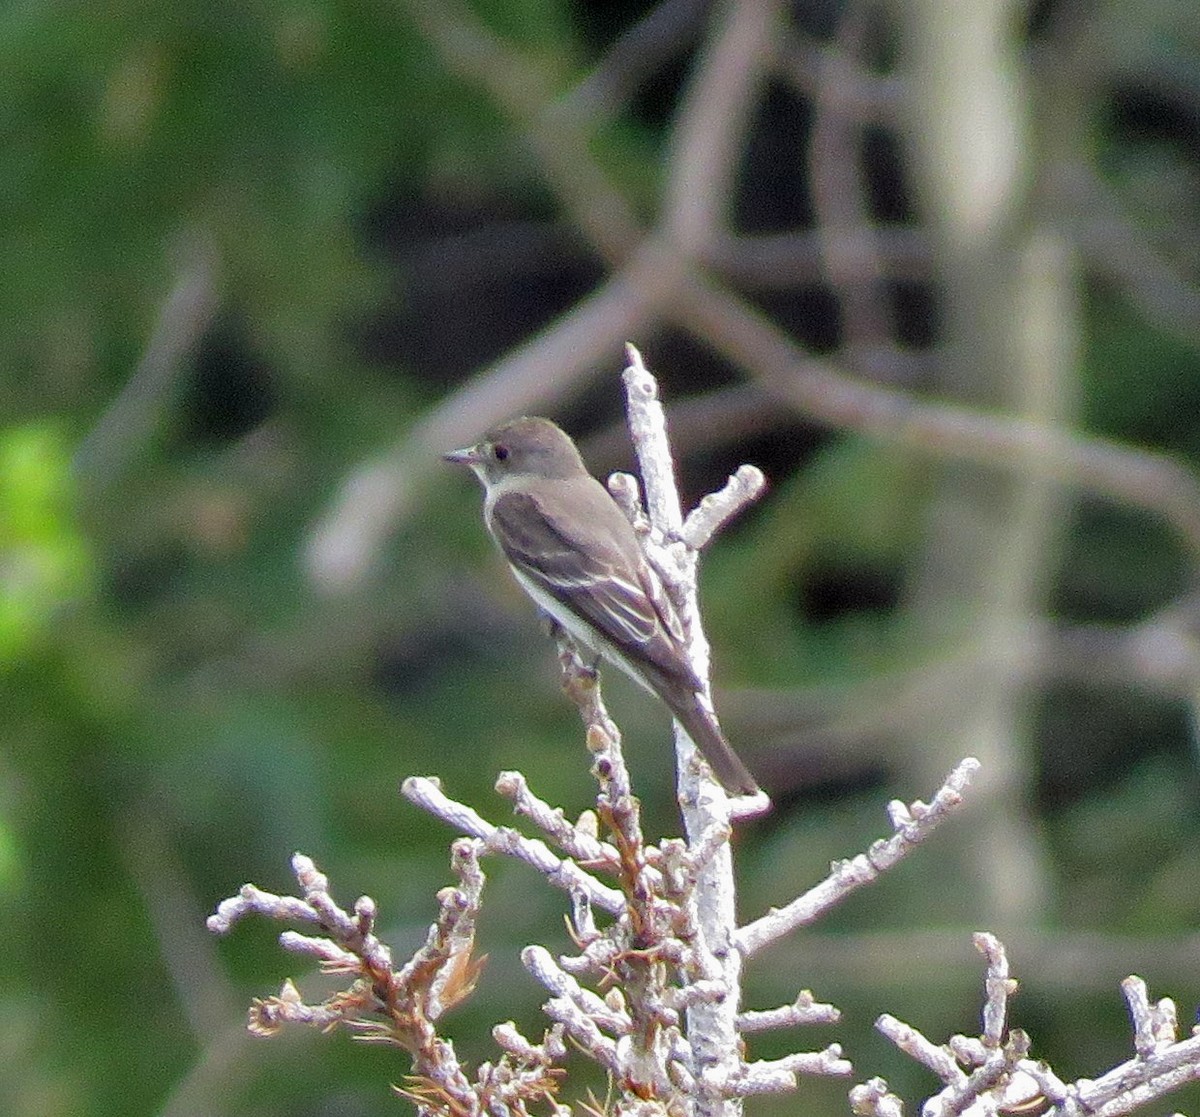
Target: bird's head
[525,446]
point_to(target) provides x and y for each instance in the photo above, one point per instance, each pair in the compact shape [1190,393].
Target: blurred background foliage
[246,248]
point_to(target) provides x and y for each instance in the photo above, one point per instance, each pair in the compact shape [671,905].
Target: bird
[576,554]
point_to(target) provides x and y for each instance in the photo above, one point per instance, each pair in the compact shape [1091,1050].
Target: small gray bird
[574,552]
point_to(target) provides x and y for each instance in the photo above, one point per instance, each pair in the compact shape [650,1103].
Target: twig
[777,1076]
[1000,1077]
[803,1010]
[717,509]
[1155,1026]
[563,873]
[999,988]
[573,840]
[937,1059]
[912,825]
[874,1099]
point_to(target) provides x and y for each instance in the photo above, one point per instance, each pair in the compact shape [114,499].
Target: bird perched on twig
[574,552]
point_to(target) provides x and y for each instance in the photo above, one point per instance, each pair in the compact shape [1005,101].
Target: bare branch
[999,988]
[1154,1026]
[574,841]
[804,1010]
[937,1059]
[564,874]
[1000,1077]
[539,962]
[712,1028]
[913,825]
[777,1076]
[716,509]
[625,491]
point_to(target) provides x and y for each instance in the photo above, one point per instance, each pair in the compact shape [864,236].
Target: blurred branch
[833,75]
[715,420]
[769,261]
[225,1065]
[1161,656]
[989,533]
[666,31]
[139,410]
[1125,255]
[710,131]
[855,727]
[342,546]
[660,284]
[201,987]
[841,206]
[943,430]
[527,93]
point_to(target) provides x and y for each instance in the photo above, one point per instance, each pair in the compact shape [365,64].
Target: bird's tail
[705,731]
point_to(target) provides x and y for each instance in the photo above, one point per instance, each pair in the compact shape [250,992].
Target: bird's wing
[593,565]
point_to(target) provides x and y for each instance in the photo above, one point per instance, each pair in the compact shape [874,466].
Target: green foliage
[1143,385]
[269,128]
[43,555]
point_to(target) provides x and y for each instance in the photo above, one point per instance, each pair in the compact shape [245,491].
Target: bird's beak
[470,455]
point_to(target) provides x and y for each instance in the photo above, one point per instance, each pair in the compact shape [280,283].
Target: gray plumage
[574,552]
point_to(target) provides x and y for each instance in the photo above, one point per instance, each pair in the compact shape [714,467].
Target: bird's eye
[500,453]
